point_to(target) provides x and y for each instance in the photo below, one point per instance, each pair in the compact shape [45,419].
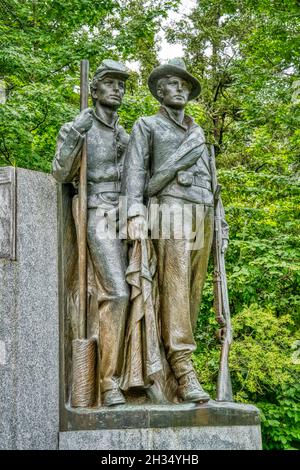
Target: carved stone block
[7,213]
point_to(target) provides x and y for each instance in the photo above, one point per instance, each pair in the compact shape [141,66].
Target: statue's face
[174,92]
[109,91]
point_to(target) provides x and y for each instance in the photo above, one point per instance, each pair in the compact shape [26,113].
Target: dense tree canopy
[246,56]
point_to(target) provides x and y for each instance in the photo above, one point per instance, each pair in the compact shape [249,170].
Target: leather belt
[104,187]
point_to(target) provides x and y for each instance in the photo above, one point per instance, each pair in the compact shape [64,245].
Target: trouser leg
[182,273]
[199,264]
[174,292]
[109,262]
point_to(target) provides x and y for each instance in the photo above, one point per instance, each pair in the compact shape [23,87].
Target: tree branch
[222,129]
[259,167]
[217,91]
[41,122]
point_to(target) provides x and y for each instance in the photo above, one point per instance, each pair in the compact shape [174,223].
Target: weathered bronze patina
[107,289]
[142,306]
[167,159]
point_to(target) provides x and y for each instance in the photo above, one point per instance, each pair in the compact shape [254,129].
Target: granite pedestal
[29,333]
[210,426]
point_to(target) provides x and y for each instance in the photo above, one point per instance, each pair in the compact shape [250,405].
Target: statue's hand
[137,227]
[83,121]
[224,245]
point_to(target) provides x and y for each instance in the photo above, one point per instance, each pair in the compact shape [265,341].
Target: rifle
[221,304]
[83,348]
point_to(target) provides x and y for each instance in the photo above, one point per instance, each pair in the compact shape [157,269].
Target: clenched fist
[137,228]
[83,121]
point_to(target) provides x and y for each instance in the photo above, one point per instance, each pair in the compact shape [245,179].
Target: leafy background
[246,56]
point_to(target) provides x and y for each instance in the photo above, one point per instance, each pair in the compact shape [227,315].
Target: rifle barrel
[224,388]
[82,226]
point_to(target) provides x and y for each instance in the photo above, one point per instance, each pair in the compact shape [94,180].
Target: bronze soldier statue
[106,144]
[167,159]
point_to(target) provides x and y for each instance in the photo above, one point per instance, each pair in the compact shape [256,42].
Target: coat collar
[187,123]
[98,118]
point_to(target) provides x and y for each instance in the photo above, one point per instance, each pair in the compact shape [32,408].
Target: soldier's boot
[113,397]
[190,389]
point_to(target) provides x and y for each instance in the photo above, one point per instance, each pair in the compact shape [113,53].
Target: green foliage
[246,55]
[263,213]
[41,45]
[137,104]
[261,358]
[280,421]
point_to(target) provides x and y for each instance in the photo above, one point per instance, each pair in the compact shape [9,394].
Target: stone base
[183,438]
[29,334]
[210,426]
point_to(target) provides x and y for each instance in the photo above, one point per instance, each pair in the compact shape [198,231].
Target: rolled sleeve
[136,168]
[67,157]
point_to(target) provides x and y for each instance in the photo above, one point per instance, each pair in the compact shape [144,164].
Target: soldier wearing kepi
[106,143]
[167,158]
